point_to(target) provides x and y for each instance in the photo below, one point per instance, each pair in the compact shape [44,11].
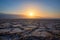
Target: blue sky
[12,6]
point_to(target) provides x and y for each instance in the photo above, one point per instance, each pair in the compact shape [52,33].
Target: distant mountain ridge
[8,16]
[13,16]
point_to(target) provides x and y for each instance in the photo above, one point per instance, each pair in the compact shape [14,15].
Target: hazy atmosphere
[29,9]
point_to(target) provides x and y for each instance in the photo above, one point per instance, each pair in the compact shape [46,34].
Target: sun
[31,14]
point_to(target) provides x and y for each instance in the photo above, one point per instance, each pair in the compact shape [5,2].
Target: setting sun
[31,14]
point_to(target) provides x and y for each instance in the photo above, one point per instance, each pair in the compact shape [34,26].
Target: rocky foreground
[29,29]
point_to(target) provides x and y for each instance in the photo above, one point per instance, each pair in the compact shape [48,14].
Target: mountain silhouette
[8,16]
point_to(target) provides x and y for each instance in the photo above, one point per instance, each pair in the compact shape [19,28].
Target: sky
[40,8]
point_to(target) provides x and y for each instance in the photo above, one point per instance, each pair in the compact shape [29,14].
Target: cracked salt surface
[25,28]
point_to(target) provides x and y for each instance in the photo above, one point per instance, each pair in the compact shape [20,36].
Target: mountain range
[8,16]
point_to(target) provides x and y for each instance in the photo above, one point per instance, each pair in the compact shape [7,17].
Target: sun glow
[31,14]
